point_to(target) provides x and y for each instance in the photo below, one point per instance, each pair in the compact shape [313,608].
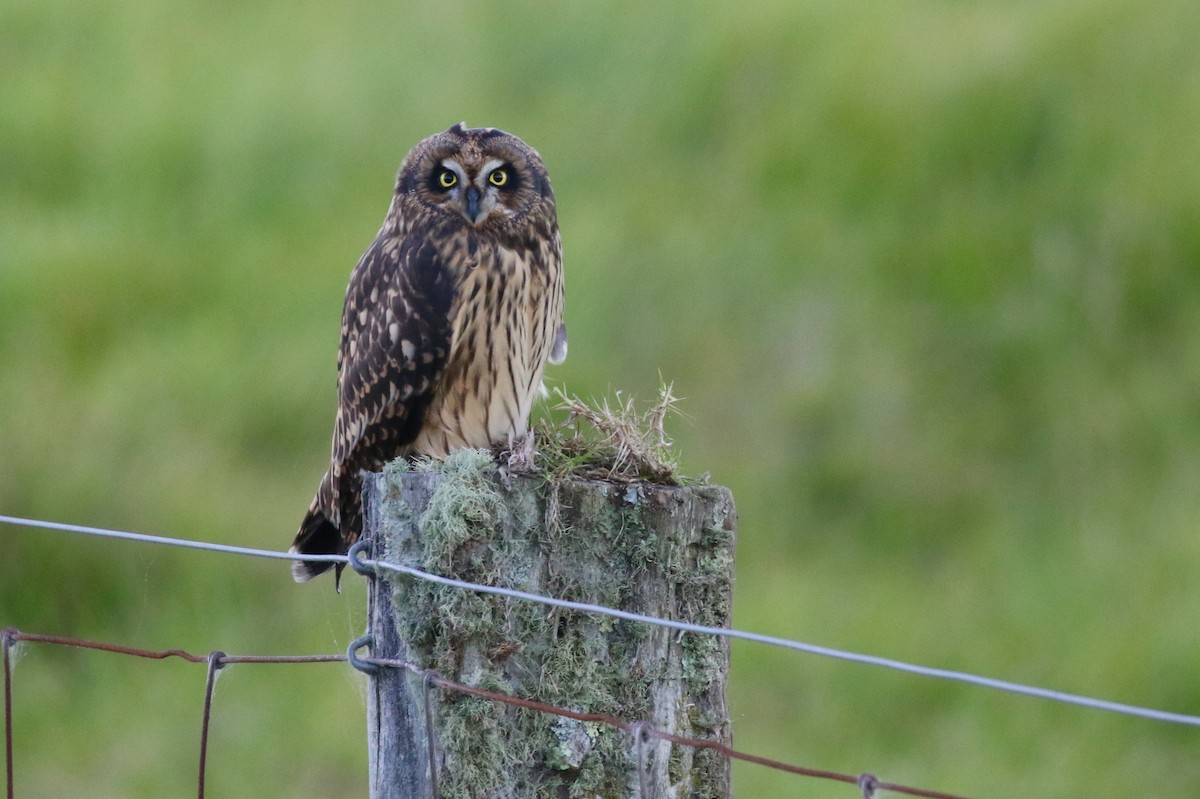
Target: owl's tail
[318,535]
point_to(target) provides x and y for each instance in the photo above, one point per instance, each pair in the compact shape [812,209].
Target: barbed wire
[640,731]
[365,564]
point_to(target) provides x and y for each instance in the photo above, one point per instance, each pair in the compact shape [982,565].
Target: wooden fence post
[659,550]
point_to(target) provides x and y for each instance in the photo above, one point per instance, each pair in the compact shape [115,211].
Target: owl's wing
[396,331]
[395,337]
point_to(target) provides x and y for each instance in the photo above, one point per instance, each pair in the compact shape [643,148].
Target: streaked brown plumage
[450,317]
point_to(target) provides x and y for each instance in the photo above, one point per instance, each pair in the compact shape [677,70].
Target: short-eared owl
[450,317]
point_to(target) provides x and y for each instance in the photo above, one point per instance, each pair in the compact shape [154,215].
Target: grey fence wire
[362,564]
[640,731]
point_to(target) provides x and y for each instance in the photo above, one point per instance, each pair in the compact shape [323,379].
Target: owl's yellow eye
[446,178]
[499,177]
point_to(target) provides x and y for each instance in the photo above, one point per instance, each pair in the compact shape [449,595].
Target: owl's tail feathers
[318,535]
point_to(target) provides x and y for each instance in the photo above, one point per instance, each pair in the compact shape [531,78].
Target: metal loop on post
[355,660]
[354,558]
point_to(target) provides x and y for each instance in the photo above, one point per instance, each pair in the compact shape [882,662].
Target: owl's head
[488,178]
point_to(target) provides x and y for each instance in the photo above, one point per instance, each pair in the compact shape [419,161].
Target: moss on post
[648,548]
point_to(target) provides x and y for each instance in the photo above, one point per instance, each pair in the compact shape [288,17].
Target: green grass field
[927,275]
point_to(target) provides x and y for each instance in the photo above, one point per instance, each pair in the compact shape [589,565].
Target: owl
[450,318]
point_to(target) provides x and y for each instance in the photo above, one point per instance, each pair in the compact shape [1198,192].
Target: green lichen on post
[650,548]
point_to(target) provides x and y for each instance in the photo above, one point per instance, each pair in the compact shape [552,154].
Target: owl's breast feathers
[506,312]
[442,346]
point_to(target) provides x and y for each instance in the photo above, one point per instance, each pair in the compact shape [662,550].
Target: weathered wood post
[653,549]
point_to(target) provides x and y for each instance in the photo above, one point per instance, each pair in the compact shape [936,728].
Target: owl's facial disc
[479,197]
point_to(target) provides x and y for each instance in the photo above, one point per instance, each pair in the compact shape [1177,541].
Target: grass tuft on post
[595,531]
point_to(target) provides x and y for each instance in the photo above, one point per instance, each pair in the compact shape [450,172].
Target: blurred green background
[927,274]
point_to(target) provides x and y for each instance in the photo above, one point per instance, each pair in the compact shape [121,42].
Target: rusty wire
[867,783]
[216,660]
[368,567]
[210,681]
[642,729]
[7,637]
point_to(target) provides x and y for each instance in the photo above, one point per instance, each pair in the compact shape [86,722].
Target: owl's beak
[473,198]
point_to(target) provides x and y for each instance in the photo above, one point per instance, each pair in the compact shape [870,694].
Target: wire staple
[365,666]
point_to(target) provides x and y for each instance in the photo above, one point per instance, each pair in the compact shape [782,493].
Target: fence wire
[365,565]
[640,732]
[215,661]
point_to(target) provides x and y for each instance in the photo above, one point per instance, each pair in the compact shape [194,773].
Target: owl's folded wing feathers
[395,340]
